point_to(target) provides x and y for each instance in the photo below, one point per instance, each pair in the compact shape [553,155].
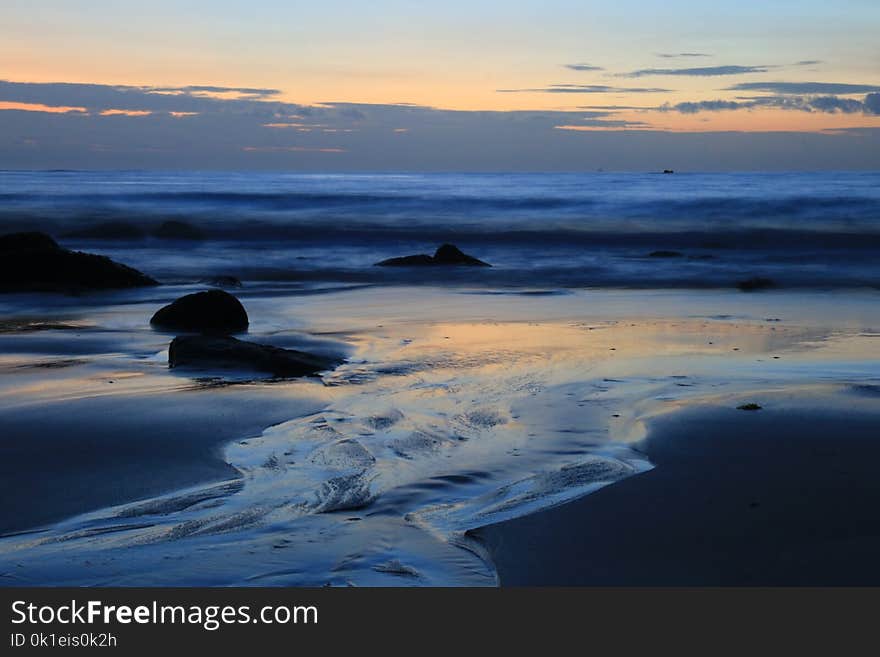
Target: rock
[178,230]
[27,241]
[449,254]
[446,255]
[111,230]
[756,283]
[421,260]
[665,254]
[35,262]
[213,311]
[223,352]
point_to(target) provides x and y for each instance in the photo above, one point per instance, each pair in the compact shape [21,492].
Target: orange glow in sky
[37,107]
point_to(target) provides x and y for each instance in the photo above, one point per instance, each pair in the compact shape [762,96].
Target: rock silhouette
[35,262]
[213,311]
[446,255]
[224,352]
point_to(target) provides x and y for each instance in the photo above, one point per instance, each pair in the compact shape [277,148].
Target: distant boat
[668,171]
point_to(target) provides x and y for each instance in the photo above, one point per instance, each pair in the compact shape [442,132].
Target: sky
[392,85]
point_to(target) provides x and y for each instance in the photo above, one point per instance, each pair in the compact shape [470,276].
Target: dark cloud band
[583,67]
[700,71]
[586,89]
[802,88]
[825,104]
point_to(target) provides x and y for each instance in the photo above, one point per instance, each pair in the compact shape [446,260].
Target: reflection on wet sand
[433,427]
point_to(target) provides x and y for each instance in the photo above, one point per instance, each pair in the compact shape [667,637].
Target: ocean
[537,230]
[468,397]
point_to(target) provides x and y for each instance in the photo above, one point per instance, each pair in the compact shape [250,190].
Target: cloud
[119,112]
[692,107]
[188,129]
[39,107]
[96,98]
[614,108]
[701,71]
[243,91]
[605,125]
[85,125]
[823,104]
[584,67]
[801,88]
[872,103]
[834,104]
[585,89]
[676,55]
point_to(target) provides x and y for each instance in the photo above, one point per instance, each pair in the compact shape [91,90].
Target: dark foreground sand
[788,495]
[68,457]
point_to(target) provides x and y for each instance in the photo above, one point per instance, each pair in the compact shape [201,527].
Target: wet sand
[454,410]
[786,495]
[67,457]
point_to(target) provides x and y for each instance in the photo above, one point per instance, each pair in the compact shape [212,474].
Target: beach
[516,413]
[505,425]
[784,497]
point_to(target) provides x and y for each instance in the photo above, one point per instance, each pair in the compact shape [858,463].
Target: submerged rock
[213,311]
[448,254]
[223,352]
[34,262]
[178,230]
[756,283]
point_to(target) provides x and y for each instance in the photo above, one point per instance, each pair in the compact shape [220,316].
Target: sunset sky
[318,85]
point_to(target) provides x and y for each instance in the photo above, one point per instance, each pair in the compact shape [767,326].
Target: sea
[642,230]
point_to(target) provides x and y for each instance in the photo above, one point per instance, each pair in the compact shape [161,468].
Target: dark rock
[27,242]
[449,254]
[756,283]
[421,260]
[446,255]
[223,352]
[213,311]
[35,262]
[665,254]
[178,230]
[111,230]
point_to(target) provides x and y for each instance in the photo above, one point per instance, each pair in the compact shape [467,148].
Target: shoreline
[783,496]
[455,410]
